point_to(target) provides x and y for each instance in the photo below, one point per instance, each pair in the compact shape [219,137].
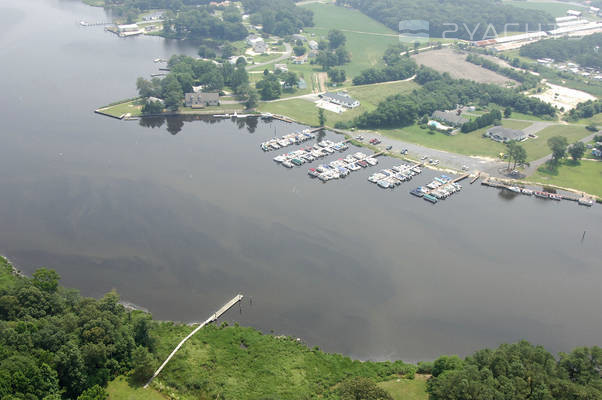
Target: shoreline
[226,113]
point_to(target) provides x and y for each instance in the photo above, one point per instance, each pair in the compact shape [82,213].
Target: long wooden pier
[212,318]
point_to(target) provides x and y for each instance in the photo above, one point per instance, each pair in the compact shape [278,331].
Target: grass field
[585,175]
[472,144]
[133,107]
[119,389]
[242,363]
[538,148]
[406,389]
[368,41]
[369,97]
[555,9]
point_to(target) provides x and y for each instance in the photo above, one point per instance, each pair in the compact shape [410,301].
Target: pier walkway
[212,318]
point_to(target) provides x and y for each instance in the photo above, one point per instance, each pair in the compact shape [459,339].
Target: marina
[288,140]
[439,189]
[393,177]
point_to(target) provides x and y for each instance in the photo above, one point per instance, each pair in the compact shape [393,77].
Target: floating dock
[583,200]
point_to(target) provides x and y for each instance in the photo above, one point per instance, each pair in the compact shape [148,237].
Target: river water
[180,215]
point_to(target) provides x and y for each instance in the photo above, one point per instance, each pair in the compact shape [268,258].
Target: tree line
[396,68]
[198,23]
[490,118]
[473,19]
[441,92]
[527,80]
[586,109]
[583,51]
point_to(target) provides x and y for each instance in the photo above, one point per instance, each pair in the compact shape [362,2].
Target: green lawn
[538,148]
[369,96]
[133,107]
[555,9]
[242,363]
[406,389]
[586,176]
[473,143]
[366,46]
[119,389]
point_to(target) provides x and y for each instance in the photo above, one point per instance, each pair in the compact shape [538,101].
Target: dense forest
[56,344]
[441,92]
[473,17]
[278,17]
[518,371]
[585,51]
[195,23]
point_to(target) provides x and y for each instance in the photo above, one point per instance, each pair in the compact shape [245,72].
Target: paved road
[538,163]
[446,159]
[287,54]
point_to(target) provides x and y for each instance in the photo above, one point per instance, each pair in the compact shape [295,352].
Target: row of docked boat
[342,167]
[439,189]
[287,140]
[390,178]
[310,154]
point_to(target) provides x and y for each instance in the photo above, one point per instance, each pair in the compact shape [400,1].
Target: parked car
[359,137]
[389,147]
[424,158]
[404,151]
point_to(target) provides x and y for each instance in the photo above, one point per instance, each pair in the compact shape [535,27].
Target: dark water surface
[180,223]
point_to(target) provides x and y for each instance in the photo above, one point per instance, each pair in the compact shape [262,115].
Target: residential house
[281,67]
[450,118]
[300,60]
[313,45]
[129,30]
[257,43]
[341,98]
[504,135]
[300,37]
[597,153]
[201,99]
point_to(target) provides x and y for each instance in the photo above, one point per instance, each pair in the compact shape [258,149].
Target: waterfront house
[129,30]
[341,98]
[505,135]
[450,118]
[201,99]
[597,153]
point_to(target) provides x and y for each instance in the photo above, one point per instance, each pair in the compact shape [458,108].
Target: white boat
[528,192]
[584,201]
[514,189]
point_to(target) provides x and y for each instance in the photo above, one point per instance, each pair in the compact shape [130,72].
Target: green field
[366,44]
[472,144]
[119,389]
[538,148]
[585,175]
[117,110]
[242,363]
[369,97]
[555,9]
[406,389]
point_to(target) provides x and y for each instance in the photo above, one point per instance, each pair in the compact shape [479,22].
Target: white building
[341,98]
[574,13]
